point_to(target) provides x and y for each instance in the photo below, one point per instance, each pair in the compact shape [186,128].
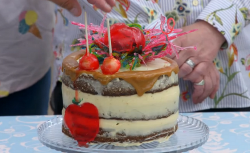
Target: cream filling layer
[147,106]
[137,128]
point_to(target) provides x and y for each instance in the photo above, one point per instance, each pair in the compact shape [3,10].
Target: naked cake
[126,97]
[134,106]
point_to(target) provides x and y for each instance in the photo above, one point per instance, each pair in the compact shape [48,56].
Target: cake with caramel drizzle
[125,98]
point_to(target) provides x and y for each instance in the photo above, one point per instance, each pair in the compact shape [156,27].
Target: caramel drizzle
[142,81]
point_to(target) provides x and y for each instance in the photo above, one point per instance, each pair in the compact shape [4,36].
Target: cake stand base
[191,134]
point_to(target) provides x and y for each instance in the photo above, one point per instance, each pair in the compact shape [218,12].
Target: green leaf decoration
[135,62]
[218,19]
[90,47]
[115,54]
[125,61]
[244,12]
[99,57]
[135,25]
[129,61]
[231,77]
[124,55]
[74,101]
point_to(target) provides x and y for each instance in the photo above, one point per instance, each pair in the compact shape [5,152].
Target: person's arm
[227,16]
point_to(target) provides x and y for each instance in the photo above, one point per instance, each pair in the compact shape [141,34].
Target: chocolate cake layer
[122,137]
[117,87]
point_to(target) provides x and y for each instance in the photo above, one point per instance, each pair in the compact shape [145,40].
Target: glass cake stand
[191,134]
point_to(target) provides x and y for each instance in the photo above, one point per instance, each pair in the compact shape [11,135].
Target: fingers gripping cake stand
[129,103]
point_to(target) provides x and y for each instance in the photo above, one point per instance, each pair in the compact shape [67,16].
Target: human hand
[71,5]
[207,41]
[74,7]
[104,5]
[211,83]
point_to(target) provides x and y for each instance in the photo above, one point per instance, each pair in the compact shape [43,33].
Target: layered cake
[134,106]
[125,97]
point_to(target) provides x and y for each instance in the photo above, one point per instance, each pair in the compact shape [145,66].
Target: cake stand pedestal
[191,134]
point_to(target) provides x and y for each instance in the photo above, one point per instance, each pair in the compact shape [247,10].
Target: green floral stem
[236,94]
[224,8]
[224,74]
[213,13]
[231,94]
[224,89]
[226,83]
[217,101]
[229,78]
[185,22]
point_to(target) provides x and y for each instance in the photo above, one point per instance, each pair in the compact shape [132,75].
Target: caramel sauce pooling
[142,81]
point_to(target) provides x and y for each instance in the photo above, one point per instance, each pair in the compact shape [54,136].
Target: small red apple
[83,122]
[89,62]
[110,65]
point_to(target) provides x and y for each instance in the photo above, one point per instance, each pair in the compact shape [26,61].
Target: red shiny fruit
[110,65]
[124,38]
[83,122]
[88,62]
